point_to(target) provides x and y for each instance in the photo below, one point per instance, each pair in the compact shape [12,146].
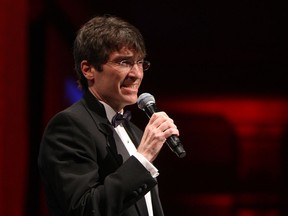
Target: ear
[87,70]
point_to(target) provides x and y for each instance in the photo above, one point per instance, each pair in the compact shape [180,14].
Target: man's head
[109,59]
[101,36]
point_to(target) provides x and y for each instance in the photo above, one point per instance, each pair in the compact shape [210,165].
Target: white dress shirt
[133,151]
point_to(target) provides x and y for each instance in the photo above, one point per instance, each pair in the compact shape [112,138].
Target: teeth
[132,86]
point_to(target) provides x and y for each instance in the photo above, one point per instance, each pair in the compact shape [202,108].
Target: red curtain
[13,106]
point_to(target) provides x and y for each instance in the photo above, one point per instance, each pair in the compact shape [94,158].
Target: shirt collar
[110,113]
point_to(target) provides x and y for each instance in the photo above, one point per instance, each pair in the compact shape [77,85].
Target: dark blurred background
[219,68]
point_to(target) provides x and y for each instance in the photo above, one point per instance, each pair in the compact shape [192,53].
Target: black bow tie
[119,118]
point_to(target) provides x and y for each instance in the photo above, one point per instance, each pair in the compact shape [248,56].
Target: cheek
[113,81]
[109,77]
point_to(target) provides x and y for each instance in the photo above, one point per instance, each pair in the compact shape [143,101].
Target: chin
[131,99]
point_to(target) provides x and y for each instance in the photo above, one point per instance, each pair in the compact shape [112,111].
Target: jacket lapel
[142,207]
[134,138]
[98,114]
[121,149]
[157,207]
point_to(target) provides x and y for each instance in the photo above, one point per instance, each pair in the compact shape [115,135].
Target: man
[90,165]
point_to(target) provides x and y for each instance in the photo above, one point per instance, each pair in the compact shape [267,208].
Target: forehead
[125,52]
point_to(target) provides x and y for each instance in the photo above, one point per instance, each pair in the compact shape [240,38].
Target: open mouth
[132,86]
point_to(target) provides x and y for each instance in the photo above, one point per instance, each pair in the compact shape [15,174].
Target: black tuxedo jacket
[87,171]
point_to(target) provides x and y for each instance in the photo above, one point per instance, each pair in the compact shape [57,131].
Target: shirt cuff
[149,166]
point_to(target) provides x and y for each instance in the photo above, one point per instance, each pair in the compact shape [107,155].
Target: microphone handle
[150,109]
[173,141]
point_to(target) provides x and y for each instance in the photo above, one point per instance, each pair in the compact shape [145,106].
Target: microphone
[146,102]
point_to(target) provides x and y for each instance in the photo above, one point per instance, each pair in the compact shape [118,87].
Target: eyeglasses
[127,64]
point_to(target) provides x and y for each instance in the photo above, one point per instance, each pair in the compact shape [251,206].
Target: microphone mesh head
[145,99]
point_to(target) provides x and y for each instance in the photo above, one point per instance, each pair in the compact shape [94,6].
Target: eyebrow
[125,57]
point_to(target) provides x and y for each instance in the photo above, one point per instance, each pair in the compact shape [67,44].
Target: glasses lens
[146,65]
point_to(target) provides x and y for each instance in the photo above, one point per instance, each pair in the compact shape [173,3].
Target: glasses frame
[129,64]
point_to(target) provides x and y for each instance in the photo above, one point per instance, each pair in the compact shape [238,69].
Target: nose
[137,69]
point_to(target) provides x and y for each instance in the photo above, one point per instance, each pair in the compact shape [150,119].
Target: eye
[140,62]
[126,63]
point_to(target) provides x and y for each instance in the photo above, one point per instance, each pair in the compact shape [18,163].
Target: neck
[98,97]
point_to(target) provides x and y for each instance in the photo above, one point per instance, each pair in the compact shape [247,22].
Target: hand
[158,129]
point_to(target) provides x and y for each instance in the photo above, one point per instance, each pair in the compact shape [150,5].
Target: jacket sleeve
[71,159]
